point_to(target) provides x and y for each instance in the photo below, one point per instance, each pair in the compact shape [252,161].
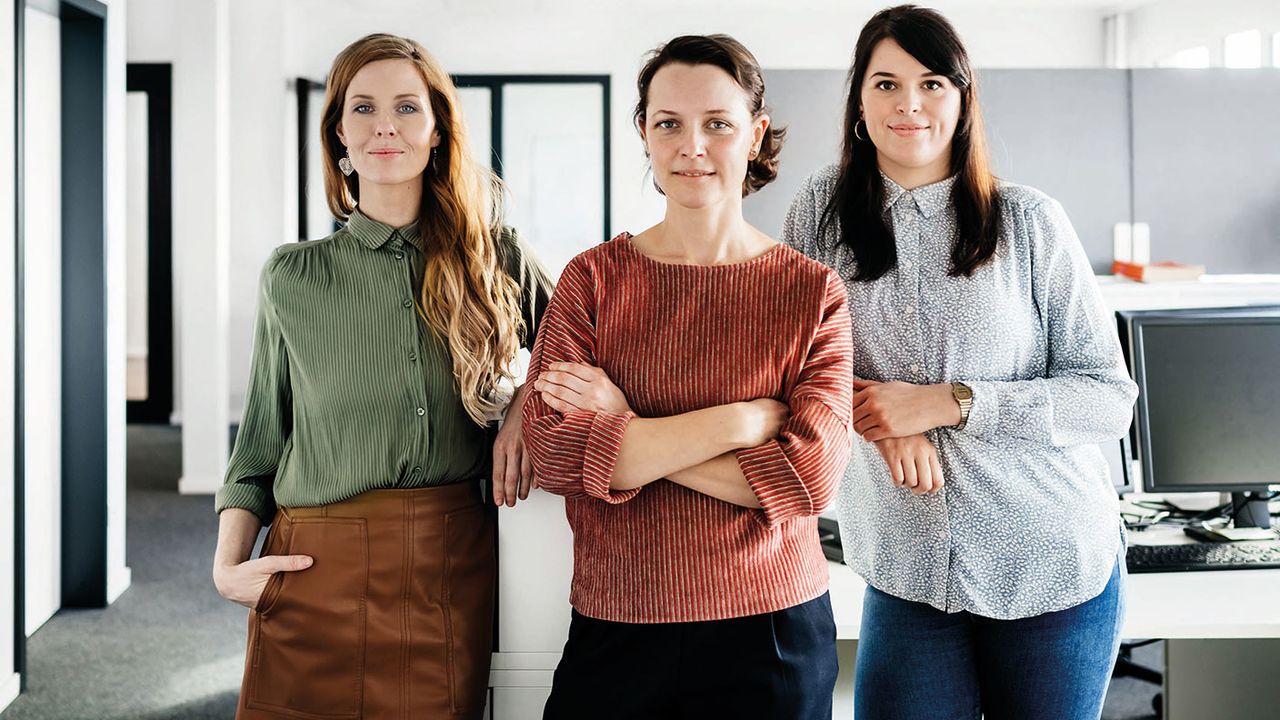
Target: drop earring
[344,164]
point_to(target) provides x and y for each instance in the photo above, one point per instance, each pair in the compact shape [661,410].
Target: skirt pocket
[468,598]
[308,648]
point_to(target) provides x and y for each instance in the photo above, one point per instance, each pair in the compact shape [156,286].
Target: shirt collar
[928,199]
[374,235]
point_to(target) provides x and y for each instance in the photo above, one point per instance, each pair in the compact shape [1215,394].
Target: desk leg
[1221,679]
[842,705]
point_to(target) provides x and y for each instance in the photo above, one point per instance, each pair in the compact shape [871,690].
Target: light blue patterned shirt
[1027,522]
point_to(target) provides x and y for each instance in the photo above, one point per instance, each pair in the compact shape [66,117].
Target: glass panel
[553,162]
[1196,57]
[136,227]
[320,221]
[1242,49]
[478,116]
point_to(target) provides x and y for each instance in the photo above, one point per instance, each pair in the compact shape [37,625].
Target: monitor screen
[1209,400]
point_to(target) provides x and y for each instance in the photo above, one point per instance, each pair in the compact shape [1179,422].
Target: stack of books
[1156,272]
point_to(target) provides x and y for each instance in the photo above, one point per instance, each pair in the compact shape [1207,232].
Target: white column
[118,574]
[262,123]
[8,678]
[201,232]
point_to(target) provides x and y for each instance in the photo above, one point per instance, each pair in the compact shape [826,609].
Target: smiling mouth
[908,129]
[693,173]
[386,153]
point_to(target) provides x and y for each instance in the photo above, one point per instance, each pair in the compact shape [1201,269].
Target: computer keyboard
[1257,554]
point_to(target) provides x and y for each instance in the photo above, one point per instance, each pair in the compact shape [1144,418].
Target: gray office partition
[810,104]
[1065,132]
[1187,151]
[1206,166]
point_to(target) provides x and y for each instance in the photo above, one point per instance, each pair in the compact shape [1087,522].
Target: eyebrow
[891,75]
[401,95]
[714,111]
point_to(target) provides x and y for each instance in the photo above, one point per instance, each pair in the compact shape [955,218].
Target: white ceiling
[735,6]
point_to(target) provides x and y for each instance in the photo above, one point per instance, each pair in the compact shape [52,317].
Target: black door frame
[495,83]
[156,80]
[19,379]
[303,88]
[84,303]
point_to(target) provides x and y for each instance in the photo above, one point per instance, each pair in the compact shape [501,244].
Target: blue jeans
[917,662]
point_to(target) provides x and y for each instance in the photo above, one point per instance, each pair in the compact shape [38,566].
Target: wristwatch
[964,396]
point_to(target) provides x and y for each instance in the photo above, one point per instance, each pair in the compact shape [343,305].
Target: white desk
[1228,604]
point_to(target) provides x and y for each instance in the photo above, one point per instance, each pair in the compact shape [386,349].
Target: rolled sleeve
[797,474]
[1086,396]
[267,421]
[573,454]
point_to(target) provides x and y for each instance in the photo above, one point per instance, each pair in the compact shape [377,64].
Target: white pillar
[263,153]
[8,678]
[119,576]
[201,232]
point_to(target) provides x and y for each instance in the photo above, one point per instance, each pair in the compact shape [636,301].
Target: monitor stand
[1250,509]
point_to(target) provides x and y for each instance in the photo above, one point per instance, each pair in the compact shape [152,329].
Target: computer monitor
[1209,403]
[1121,464]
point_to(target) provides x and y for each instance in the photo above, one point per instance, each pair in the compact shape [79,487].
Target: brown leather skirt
[393,620]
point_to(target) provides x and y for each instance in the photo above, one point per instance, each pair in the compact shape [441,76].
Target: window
[1196,57]
[1242,49]
[1275,50]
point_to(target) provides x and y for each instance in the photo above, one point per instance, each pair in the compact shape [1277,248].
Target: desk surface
[1209,604]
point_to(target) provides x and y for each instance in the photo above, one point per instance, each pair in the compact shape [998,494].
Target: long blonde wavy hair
[466,297]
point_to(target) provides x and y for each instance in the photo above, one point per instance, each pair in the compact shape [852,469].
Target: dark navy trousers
[779,665]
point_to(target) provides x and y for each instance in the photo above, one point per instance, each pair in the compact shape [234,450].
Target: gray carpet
[171,649]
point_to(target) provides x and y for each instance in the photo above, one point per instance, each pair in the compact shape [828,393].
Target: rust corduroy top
[677,338]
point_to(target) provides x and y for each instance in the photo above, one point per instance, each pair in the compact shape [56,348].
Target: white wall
[42,305]
[1156,31]
[274,41]
[9,680]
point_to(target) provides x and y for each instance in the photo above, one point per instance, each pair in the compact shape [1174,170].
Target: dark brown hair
[731,56]
[858,200]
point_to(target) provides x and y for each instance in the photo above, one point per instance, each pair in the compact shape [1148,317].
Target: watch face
[963,392]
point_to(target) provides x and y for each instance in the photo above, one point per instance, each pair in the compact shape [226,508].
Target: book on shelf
[1157,272]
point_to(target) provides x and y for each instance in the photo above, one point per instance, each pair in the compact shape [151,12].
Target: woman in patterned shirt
[984,356]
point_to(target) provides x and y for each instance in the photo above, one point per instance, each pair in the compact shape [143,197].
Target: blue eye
[363,108]
[407,108]
[719,125]
[665,124]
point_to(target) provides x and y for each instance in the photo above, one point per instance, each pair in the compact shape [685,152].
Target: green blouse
[350,390]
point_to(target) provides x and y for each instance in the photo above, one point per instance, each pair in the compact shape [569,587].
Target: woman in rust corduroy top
[695,537]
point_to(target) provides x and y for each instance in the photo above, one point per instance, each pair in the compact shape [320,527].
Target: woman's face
[910,113]
[387,123]
[700,134]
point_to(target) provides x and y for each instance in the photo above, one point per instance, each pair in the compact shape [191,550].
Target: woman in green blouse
[378,354]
